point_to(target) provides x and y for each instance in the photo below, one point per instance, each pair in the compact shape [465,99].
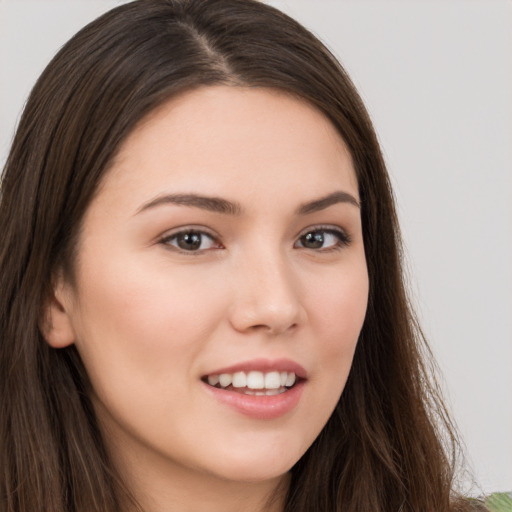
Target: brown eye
[314,240]
[191,241]
[323,239]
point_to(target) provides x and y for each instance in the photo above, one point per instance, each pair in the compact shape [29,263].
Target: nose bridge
[267,294]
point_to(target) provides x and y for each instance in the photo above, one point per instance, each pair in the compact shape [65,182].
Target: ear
[56,321]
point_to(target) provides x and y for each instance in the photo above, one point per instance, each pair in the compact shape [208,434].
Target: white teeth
[225,379]
[290,380]
[213,380]
[255,380]
[268,392]
[239,380]
[272,392]
[273,382]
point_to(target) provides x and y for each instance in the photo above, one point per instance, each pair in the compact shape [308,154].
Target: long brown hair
[389,444]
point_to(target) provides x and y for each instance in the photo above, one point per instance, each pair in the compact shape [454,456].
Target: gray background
[437,79]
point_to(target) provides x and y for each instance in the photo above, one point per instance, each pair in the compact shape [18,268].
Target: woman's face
[225,245]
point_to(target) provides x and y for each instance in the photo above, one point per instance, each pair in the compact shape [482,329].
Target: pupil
[313,240]
[189,241]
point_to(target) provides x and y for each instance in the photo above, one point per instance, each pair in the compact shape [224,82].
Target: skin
[150,319]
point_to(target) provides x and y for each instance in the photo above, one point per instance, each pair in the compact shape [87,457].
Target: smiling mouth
[253,383]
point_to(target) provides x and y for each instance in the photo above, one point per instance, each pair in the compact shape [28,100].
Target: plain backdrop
[436,77]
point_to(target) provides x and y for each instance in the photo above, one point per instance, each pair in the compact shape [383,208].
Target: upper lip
[264,365]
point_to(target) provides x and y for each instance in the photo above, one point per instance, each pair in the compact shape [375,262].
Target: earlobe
[56,323]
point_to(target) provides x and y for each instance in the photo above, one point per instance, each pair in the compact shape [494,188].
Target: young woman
[202,305]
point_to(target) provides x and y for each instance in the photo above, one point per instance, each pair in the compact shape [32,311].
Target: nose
[267,297]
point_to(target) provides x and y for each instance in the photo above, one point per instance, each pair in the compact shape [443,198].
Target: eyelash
[343,239]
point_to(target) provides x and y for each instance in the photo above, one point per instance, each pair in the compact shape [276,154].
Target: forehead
[227,140]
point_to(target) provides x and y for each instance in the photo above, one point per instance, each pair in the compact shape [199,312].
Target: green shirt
[499,502]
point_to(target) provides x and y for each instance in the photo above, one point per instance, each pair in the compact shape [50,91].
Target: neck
[209,494]
[183,490]
[161,485]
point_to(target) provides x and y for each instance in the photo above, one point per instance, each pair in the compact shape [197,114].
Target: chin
[253,475]
[262,465]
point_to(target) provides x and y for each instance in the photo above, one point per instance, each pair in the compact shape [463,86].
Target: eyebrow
[213,204]
[324,202]
[220,205]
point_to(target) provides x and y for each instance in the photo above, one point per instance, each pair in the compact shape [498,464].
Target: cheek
[339,306]
[142,321]
[337,311]
[140,336]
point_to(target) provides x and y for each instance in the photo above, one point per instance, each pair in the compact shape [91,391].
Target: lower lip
[259,407]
